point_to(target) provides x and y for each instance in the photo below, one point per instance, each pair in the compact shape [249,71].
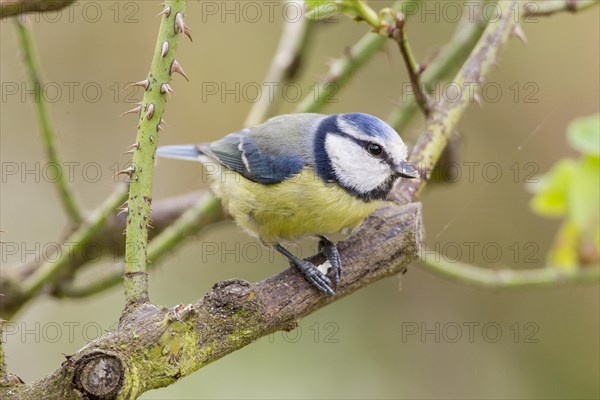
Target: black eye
[374,149]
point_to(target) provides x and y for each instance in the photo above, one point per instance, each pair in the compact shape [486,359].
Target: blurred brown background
[359,347]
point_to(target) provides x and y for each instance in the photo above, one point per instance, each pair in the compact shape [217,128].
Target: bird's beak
[407,170]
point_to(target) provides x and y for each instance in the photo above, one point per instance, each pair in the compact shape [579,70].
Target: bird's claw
[315,277]
[330,251]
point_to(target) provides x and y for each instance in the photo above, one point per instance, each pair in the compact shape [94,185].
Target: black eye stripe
[384,156]
[365,143]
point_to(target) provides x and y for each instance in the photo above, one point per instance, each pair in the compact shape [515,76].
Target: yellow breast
[301,206]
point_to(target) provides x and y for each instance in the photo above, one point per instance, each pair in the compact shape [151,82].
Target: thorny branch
[157,88]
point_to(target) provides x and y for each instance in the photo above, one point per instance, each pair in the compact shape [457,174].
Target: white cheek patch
[354,167]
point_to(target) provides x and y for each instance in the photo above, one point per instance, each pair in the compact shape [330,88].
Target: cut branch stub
[98,376]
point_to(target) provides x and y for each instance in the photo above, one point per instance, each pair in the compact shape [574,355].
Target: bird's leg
[330,251]
[310,271]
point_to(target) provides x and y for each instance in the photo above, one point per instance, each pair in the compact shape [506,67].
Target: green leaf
[583,134]
[571,189]
[551,190]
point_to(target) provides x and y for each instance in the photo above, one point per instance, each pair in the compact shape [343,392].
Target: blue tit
[304,175]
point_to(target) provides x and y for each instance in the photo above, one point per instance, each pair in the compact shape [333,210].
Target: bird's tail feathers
[184,152]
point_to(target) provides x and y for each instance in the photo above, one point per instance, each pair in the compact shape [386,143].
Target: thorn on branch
[164,50]
[150,112]
[518,32]
[145,83]
[132,111]
[176,67]
[166,11]
[188,33]
[180,26]
[179,23]
[166,88]
[127,171]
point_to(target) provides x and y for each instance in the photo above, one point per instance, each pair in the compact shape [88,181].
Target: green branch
[157,87]
[64,190]
[506,278]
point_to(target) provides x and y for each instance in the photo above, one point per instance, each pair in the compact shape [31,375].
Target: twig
[64,190]
[50,270]
[205,211]
[414,71]
[286,63]
[16,7]
[172,26]
[449,59]
[547,8]
[506,278]
[432,141]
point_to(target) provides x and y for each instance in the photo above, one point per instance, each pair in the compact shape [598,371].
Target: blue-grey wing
[271,152]
[239,152]
[226,151]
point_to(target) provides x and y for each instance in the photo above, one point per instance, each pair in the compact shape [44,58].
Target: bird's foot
[330,251]
[315,276]
[312,274]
